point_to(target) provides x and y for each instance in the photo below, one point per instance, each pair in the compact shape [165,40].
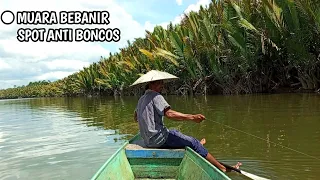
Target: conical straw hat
[154,75]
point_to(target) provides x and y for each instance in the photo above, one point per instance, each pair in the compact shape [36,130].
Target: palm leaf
[147,53]
[167,55]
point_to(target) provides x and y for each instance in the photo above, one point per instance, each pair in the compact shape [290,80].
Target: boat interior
[135,161]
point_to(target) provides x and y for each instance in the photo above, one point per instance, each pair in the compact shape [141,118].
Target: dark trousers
[178,140]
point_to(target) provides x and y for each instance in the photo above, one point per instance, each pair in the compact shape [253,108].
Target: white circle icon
[7,17]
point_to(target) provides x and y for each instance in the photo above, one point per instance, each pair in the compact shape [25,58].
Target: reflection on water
[274,136]
[54,138]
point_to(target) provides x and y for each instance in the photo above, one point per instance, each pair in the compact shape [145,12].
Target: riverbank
[229,47]
[169,90]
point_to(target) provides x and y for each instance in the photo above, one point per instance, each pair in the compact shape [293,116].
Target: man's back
[150,112]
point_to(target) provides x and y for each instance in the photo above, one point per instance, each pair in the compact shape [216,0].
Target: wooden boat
[134,161]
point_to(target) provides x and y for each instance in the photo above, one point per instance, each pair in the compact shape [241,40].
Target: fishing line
[267,140]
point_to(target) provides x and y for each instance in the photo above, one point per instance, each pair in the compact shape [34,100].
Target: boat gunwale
[208,163]
[97,174]
[137,136]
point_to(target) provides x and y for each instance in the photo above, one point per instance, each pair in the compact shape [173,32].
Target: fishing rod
[268,141]
[252,176]
[249,175]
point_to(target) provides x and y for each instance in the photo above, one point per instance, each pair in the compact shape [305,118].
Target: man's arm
[164,109]
[135,116]
[171,114]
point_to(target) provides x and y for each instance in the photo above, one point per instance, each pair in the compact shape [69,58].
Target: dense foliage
[230,47]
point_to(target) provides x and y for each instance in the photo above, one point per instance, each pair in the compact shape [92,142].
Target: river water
[274,136]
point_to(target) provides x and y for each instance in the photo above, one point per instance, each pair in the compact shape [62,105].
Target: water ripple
[41,141]
[59,138]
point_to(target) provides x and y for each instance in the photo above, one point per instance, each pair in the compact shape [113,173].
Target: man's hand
[198,118]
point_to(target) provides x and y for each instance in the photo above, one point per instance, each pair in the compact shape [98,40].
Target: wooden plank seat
[138,149]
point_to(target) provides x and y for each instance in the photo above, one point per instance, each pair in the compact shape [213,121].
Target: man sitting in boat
[149,114]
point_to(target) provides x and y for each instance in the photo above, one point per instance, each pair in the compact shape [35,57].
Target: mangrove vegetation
[228,47]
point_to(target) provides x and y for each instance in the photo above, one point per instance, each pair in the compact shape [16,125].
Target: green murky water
[274,136]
